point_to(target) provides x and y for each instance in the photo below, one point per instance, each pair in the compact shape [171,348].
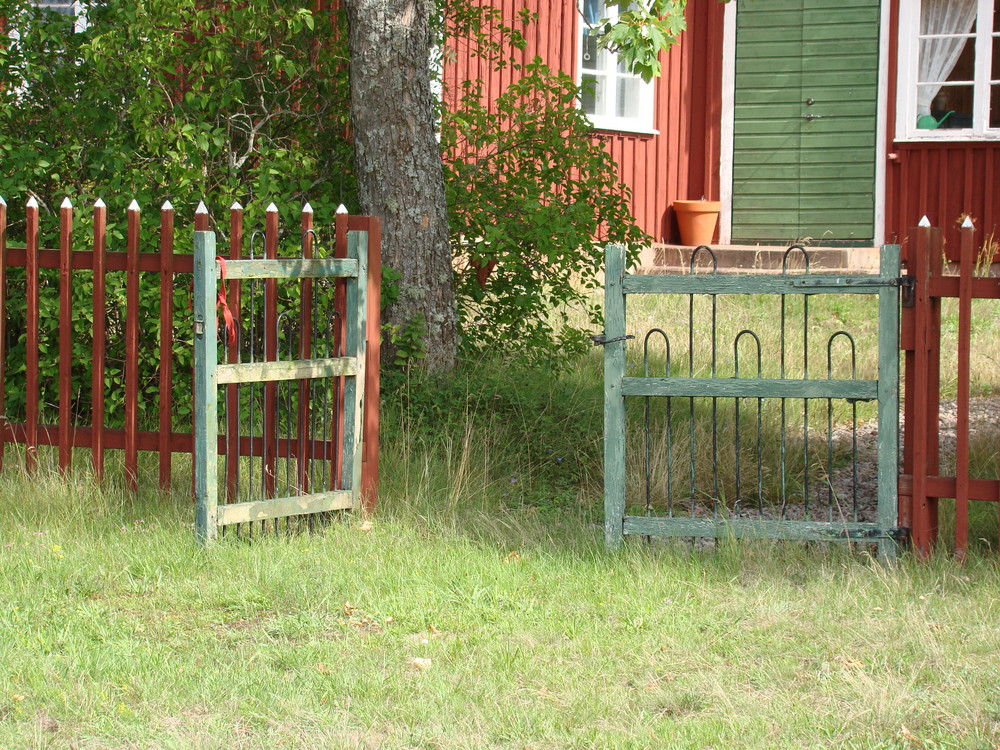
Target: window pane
[947,59]
[995,73]
[593,58]
[948,16]
[593,97]
[59,6]
[950,107]
[593,11]
[627,100]
[995,106]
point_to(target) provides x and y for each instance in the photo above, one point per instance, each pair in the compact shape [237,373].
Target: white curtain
[939,56]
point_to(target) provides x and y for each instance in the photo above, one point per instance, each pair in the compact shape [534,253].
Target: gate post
[354,346]
[206,421]
[888,401]
[614,399]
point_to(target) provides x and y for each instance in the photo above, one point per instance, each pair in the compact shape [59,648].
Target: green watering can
[927,122]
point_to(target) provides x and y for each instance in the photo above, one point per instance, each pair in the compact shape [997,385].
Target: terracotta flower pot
[697,220]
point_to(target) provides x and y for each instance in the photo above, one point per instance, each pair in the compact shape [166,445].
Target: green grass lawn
[474,611]
[478,609]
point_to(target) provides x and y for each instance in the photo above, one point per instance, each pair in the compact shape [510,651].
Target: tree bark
[398,161]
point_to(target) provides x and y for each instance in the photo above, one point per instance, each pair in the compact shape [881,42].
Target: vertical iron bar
[691,435]
[805,406]
[784,499]
[715,421]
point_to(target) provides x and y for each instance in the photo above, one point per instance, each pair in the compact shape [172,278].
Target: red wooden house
[835,122]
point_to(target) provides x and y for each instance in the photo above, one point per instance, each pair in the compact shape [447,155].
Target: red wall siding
[942,181]
[682,160]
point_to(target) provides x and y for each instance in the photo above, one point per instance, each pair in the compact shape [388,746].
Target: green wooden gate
[805,121]
[311,432]
[722,454]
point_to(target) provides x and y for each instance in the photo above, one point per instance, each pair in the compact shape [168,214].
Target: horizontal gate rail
[303,369]
[292,268]
[771,284]
[745,529]
[283,507]
[857,390]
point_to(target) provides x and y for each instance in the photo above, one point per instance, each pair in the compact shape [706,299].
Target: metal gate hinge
[907,288]
[601,340]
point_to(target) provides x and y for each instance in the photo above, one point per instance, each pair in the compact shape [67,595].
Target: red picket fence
[87,426]
[921,484]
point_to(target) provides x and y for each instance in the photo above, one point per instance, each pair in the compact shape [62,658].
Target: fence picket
[65,333]
[305,352]
[166,340]
[966,268]
[132,348]
[31,337]
[3,327]
[232,357]
[270,354]
[70,431]
[921,485]
[98,353]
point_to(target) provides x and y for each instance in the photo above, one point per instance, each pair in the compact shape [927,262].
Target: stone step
[740,258]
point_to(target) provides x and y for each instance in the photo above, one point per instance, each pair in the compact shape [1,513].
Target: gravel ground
[984,424]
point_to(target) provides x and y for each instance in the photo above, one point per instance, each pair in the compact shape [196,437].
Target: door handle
[811,117]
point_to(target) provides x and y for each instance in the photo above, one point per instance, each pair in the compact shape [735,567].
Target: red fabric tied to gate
[227,315]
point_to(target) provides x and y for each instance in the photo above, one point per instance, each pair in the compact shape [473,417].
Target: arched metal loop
[694,258]
[257,234]
[736,351]
[307,233]
[829,354]
[645,350]
[784,258]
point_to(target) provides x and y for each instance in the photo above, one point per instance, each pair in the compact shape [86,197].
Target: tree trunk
[398,160]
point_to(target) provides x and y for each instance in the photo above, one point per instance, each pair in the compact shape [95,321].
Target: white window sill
[952,136]
[621,126]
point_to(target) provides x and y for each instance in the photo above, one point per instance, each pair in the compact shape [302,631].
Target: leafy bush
[160,100]
[532,200]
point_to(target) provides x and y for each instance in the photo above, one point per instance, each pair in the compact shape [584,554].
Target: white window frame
[76,11]
[908,71]
[643,123]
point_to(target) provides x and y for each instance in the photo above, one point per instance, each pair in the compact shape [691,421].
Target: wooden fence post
[206,424]
[614,399]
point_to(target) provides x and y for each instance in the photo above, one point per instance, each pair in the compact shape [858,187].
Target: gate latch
[907,290]
[601,340]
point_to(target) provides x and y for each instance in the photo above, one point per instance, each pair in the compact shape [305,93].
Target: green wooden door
[805,121]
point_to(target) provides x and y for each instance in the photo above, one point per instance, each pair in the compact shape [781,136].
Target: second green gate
[743,419]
